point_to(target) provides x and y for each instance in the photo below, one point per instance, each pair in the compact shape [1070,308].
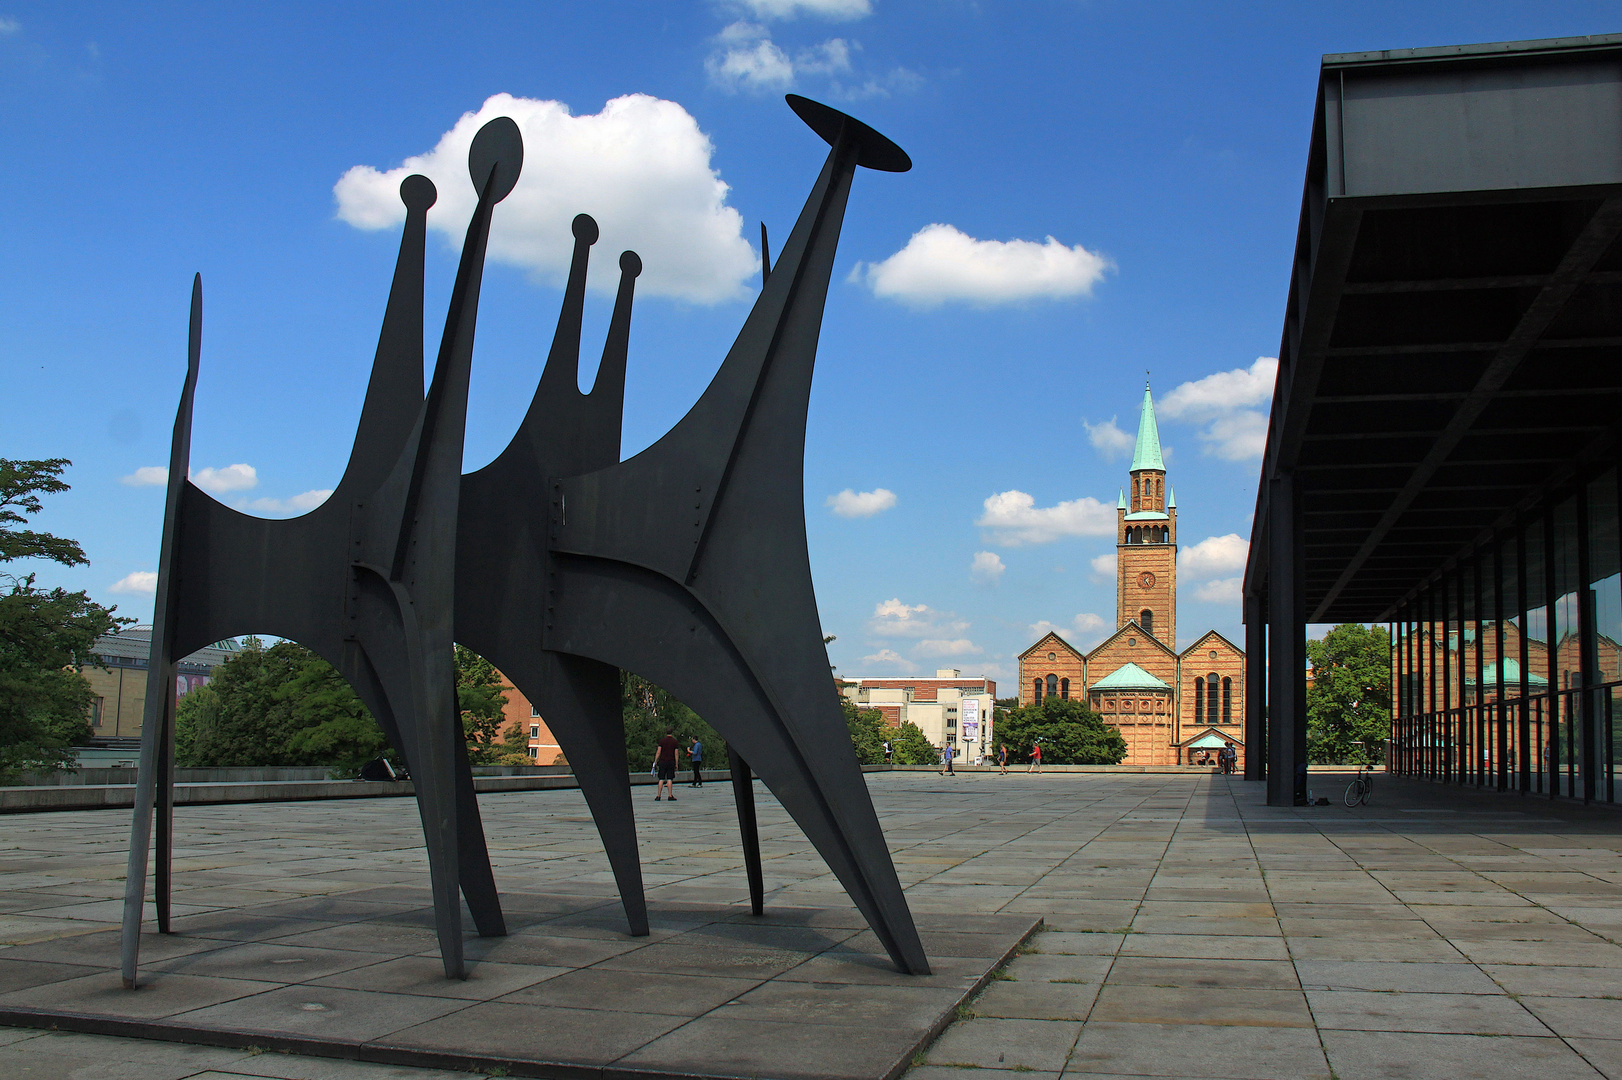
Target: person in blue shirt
[695,756]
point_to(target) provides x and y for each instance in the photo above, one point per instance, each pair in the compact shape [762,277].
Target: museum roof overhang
[1453,329]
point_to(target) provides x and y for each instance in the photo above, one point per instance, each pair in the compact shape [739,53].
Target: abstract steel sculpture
[558,562]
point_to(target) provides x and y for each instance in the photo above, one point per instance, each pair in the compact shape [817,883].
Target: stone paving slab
[1191,931]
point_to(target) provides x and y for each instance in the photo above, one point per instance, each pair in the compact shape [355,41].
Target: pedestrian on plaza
[695,758]
[946,760]
[1002,760]
[1230,758]
[664,765]
[1036,757]
[887,751]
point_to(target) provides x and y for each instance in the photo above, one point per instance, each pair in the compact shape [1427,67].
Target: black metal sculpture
[558,562]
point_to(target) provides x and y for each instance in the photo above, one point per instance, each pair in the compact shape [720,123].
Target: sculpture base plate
[712,992]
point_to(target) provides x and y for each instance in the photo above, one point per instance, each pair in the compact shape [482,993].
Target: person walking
[1230,757]
[695,758]
[664,765]
[946,760]
[1036,757]
[1002,760]
[887,751]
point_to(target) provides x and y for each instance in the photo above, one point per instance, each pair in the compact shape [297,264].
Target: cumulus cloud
[1013,519]
[1104,566]
[298,504]
[1226,405]
[640,167]
[9,26]
[231,478]
[942,264]
[936,647]
[987,567]
[1221,591]
[147,476]
[855,504]
[139,582]
[1086,629]
[894,619]
[838,10]
[889,656]
[1213,557]
[745,58]
[1110,441]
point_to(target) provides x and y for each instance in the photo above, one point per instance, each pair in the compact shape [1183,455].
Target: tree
[910,746]
[1070,732]
[648,710]
[1349,695]
[46,637]
[868,731]
[481,697]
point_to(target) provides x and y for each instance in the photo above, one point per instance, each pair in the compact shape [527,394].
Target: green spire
[1120,503]
[1146,455]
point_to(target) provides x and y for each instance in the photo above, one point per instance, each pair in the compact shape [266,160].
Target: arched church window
[1227,700]
[1064,689]
[1036,689]
[1212,683]
[1136,493]
[1199,700]
[1146,619]
[1053,685]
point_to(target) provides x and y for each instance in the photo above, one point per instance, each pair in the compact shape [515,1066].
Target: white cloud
[237,477]
[838,10]
[746,59]
[855,504]
[141,581]
[1225,404]
[1086,629]
[9,26]
[1104,566]
[147,476]
[1221,591]
[1110,441]
[987,567]
[298,504]
[1014,519]
[941,264]
[893,619]
[938,647]
[832,57]
[889,656]
[640,167]
[1213,557]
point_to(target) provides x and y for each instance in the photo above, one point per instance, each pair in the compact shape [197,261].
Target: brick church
[1173,708]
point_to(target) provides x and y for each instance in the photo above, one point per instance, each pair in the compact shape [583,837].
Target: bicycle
[1359,790]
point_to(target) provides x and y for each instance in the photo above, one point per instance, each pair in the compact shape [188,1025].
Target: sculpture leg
[146,788]
[582,708]
[163,887]
[743,791]
[477,878]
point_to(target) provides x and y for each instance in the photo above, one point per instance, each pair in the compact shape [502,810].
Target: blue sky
[1100,189]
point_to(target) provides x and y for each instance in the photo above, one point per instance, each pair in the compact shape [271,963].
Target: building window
[1053,685]
[1146,619]
[1212,681]
[534,710]
[1053,656]
[535,731]
[1227,700]
[1199,700]
[1038,688]
[95,712]
[534,751]
[1064,689]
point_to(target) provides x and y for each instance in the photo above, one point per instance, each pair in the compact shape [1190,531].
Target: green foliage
[1349,696]
[868,730]
[1071,734]
[480,697]
[649,709]
[911,747]
[46,636]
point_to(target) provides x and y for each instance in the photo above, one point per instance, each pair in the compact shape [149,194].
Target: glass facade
[1508,666]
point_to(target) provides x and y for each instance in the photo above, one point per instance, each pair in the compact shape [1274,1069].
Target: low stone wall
[241,775]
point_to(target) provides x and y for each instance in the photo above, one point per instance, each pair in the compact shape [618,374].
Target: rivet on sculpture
[558,562]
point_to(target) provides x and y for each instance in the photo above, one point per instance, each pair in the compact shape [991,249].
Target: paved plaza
[1190,931]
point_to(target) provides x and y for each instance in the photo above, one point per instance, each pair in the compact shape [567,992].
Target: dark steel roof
[1454,320]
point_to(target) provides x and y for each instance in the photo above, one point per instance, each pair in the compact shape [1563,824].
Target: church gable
[1212,640]
[1130,645]
[1051,642]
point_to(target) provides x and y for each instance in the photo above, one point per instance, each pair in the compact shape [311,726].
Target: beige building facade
[948,709]
[1173,708]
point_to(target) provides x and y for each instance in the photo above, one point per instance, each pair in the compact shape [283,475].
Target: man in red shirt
[664,765]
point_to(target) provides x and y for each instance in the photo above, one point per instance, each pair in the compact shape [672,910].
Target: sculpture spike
[765,256]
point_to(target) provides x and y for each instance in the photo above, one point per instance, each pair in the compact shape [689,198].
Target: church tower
[1146,538]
